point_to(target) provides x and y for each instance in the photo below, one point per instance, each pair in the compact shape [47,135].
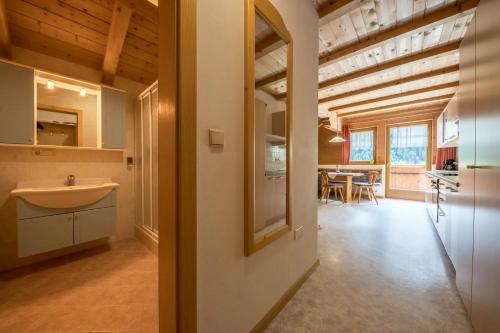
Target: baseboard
[147,238]
[280,304]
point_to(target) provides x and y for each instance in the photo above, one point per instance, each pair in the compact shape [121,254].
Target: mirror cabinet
[268,116]
[43,109]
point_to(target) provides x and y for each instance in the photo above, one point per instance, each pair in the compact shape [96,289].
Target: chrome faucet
[71,180]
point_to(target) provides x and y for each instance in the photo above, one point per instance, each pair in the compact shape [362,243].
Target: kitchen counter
[450,177]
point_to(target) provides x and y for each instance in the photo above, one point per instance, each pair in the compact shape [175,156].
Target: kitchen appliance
[431,199]
[450,164]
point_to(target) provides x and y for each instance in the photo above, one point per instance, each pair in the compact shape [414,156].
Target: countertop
[450,177]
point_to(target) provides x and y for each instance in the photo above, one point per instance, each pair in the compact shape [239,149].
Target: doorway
[408,158]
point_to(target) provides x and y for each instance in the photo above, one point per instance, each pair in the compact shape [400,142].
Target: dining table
[348,177]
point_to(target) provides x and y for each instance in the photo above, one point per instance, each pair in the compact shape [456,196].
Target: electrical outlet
[298,233]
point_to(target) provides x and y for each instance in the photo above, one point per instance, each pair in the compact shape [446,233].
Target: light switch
[299,232]
[216,137]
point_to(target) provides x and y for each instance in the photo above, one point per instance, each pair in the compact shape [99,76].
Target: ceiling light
[50,84]
[337,139]
[83,92]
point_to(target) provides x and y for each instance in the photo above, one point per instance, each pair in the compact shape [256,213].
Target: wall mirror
[268,116]
[67,112]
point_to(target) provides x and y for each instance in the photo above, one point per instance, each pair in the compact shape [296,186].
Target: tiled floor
[382,270]
[99,290]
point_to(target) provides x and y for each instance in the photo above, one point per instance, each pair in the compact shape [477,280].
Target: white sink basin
[55,195]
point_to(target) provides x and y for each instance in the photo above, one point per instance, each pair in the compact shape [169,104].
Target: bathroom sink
[56,195]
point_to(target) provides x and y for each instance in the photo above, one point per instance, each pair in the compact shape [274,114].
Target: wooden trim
[399,95]
[177,213]
[391,64]
[118,28]
[393,83]
[79,118]
[406,194]
[271,15]
[395,115]
[5,41]
[412,25]
[443,98]
[284,299]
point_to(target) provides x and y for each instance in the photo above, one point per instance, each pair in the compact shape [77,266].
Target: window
[409,145]
[362,146]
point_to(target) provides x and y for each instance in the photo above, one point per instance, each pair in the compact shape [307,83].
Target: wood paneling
[328,152]
[393,83]
[85,24]
[4,32]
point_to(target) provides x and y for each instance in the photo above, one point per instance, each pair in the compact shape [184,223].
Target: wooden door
[462,202]
[486,261]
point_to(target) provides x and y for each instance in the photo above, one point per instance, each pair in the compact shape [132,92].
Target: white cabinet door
[114,118]
[44,234]
[17,104]
[94,224]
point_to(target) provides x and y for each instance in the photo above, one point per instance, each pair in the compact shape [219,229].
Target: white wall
[234,292]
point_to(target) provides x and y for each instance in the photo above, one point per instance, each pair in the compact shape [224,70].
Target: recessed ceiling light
[83,92]
[50,84]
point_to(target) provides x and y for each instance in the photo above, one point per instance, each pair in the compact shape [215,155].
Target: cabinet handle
[471,166]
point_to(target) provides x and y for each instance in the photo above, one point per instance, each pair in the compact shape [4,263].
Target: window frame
[374,146]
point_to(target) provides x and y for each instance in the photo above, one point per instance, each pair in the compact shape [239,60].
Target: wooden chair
[327,185]
[368,186]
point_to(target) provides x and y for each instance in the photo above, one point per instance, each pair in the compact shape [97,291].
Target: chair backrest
[372,177]
[325,178]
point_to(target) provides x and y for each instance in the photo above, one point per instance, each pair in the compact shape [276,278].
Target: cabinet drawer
[94,224]
[44,234]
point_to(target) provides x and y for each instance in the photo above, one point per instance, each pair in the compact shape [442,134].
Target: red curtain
[346,146]
[444,154]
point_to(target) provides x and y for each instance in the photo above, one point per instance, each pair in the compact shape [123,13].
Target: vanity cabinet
[43,234]
[114,118]
[17,104]
[42,229]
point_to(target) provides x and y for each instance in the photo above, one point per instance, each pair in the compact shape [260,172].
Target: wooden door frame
[177,213]
[406,194]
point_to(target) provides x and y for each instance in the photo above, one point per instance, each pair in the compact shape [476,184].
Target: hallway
[382,270]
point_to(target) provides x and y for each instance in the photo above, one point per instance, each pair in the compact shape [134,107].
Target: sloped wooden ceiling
[124,32]
[383,56]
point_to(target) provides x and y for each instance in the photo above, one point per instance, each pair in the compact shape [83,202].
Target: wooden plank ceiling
[118,37]
[383,56]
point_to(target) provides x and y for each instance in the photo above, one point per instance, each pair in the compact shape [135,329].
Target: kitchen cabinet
[462,202]
[114,118]
[486,259]
[17,104]
[448,124]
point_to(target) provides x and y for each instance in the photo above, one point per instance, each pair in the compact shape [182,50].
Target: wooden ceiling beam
[394,83]
[398,95]
[435,51]
[401,114]
[268,44]
[392,64]
[434,17]
[5,41]
[120,20]
[333,6]
[443,98]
